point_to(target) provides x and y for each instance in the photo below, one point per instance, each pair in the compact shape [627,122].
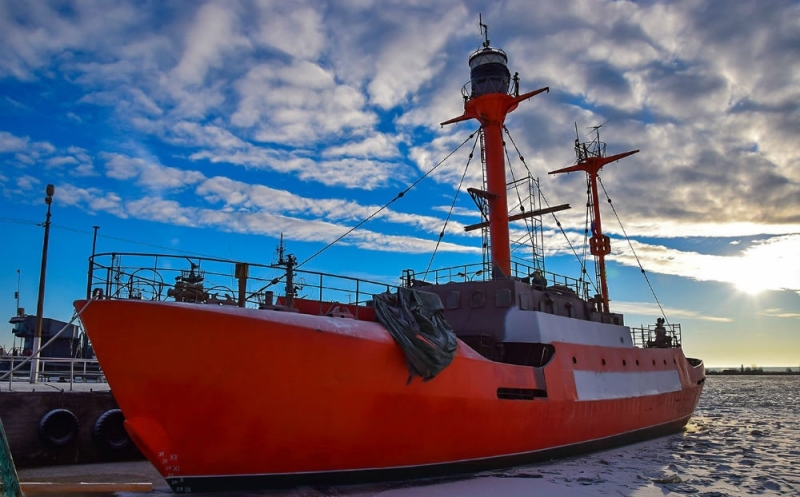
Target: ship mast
[488,101]
[591,158]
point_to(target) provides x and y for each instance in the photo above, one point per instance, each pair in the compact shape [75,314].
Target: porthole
[453,300]
[654,362]
[624,363]
[637,362]
[574,361]
[477,299]
[525,302]
[503,298]
[665,362]
[604,362]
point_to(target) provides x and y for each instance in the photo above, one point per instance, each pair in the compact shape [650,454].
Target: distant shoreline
[752,372]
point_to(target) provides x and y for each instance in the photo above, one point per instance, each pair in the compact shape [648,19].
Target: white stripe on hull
[593,385]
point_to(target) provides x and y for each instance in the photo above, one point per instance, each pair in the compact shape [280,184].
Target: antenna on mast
[484,31]
[596,129]
[16,294]
[279,252]
[579,152]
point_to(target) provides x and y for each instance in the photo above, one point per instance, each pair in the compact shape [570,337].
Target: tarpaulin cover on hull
[414,318]
[9,482]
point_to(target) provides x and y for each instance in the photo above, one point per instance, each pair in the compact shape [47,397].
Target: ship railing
[325,287]
[61,370]
[520,271]
[161,277]
[466,272]
[647,336]
[487,84]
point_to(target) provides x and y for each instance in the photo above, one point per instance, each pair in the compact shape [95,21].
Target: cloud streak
[303,119]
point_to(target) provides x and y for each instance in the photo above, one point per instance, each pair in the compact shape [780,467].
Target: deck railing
[482,272]
[647,336]
[219,281]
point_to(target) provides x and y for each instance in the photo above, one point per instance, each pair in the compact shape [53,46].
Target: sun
[751,286]
[753,275]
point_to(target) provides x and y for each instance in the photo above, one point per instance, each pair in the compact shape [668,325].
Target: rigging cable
[644,273]
[528,227]
[387,204]
[102,236]
[452,206]
[558,223]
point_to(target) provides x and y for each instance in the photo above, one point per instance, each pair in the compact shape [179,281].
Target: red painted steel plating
[491,110]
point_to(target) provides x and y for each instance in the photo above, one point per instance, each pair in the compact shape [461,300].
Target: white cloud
[294,29]
[150,175]
[780,313]
[411,57]
[11,143]
[61,161]
[673,314]
[161,210]
[301,90]
[211,38]
[379,146]
[768,264]
[298,104]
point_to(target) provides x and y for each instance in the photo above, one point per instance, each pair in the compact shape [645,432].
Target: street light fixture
[37,339]
[470,277]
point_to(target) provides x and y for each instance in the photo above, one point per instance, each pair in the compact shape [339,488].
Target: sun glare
[752,285]
[756,272]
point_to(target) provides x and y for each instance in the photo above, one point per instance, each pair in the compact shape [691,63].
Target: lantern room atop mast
[488,70]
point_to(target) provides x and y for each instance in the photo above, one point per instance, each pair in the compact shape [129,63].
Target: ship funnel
[488,72]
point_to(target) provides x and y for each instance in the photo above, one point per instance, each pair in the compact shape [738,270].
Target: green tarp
[415,319]
[9,482]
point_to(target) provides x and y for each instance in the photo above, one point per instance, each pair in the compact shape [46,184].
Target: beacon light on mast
[489,102]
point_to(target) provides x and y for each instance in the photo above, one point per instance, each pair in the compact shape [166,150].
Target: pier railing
[159,277]
[15,369]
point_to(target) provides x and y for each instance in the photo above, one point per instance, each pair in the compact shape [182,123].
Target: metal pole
[37,339]
[91,264]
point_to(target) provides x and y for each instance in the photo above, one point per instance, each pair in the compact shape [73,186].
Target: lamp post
[37,339]
[91,264]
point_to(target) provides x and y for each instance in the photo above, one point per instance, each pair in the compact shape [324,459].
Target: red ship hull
[317,398]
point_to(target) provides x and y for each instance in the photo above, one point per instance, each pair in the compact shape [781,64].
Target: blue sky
[213,127]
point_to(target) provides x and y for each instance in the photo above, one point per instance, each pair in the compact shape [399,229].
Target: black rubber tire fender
[58,428]
[109,432]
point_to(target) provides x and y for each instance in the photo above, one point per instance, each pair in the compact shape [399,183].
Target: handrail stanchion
[358,296]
